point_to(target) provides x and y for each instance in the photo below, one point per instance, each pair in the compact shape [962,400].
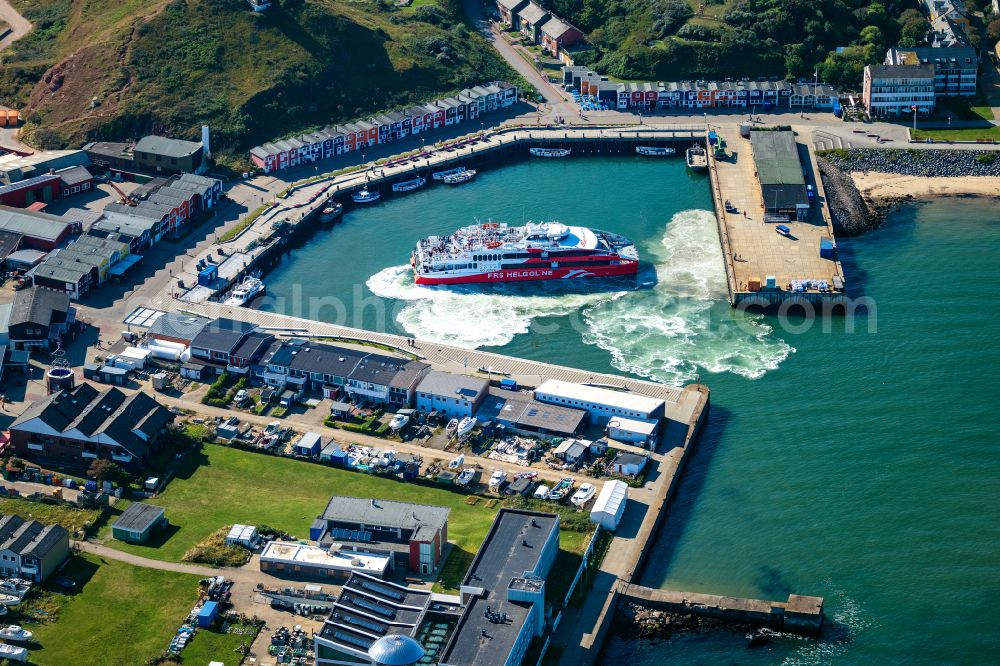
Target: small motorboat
[696,158]
[466,477]
[365,196]
[245,292]
[13,652]
[398,422]
[655,151]
[550,152]
[409,185]
[451,427]
[457,462]
[465,427]
[331,212]
[15,632]
[759,637]
[441,175]
[562,489]
[497,479]
[9,599]
[584,494]
[459,178]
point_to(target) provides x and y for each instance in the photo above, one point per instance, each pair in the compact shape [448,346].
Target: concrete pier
[800,614]
[752,248]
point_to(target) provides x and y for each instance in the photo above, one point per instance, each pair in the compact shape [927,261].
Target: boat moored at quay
[655,151]
[365,196]
[496,252]
[409,185]
[550,152]
[442,175]
[459,178]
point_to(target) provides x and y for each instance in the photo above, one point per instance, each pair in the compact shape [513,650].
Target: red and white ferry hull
[531,274]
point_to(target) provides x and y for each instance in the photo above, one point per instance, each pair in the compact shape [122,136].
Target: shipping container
[826,248]
[208,275]
[753,284]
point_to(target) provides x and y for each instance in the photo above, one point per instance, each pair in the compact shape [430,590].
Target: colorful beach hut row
[384,128]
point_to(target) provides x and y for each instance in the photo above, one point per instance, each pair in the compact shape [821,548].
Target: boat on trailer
[409,185]
[655,151]
[550,152]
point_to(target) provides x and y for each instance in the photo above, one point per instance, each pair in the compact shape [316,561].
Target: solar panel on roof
[384,590]
[353,640]
[371,625]
[373,606]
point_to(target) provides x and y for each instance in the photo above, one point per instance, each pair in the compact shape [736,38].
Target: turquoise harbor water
[861,466]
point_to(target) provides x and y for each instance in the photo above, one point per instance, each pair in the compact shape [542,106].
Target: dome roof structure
[396,650]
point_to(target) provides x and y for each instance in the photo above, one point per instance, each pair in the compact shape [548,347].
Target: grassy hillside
[113,69]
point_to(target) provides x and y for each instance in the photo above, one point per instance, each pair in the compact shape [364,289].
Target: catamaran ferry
[495,252]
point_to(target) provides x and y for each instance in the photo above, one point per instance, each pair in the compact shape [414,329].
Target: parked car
[241,397]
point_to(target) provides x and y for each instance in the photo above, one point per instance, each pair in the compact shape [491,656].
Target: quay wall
[799,614]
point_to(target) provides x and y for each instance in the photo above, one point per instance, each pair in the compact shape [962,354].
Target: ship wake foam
[678,325]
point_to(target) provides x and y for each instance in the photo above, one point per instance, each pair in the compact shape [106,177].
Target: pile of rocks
[914,162]
[633,621]
[852,215]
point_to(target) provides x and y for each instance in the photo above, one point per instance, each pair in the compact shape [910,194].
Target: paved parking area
[756,249]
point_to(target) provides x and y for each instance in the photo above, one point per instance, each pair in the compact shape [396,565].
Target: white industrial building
[633,431]
[600,403]
[610,505]
[242,535]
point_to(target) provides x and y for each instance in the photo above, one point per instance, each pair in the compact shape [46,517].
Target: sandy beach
[890,186]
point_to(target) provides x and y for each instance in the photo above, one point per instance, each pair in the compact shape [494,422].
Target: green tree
[106,470]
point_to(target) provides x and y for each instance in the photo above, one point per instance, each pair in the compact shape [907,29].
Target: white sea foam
[676,324]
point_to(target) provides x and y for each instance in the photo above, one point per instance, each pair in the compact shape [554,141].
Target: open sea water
[859,465]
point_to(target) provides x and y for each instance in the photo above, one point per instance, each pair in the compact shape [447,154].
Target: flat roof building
[137,522]
[455,396]
[520,412]
[602,404]
[504,591]
[415,533]
[779,170]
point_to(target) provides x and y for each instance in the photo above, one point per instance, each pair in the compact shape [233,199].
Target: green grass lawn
[975,108]
[964,134]
[71,518]
[222,486]
[120,615]
[215,646]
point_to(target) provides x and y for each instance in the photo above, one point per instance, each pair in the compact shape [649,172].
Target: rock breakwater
[916,162]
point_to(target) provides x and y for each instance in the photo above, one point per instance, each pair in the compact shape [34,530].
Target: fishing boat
[331,212]
[655,151]
[697,158]
[365,196]
[13,652]
[550,152]
[465,478]
[459,178]
[409,185]
[15,632]
[496,252]
[465,426]
[9,599]
[561,489]
[457,462]
[583,494]
[451,427]
[246,291]
[398,422]
[496,479]
[441,175]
